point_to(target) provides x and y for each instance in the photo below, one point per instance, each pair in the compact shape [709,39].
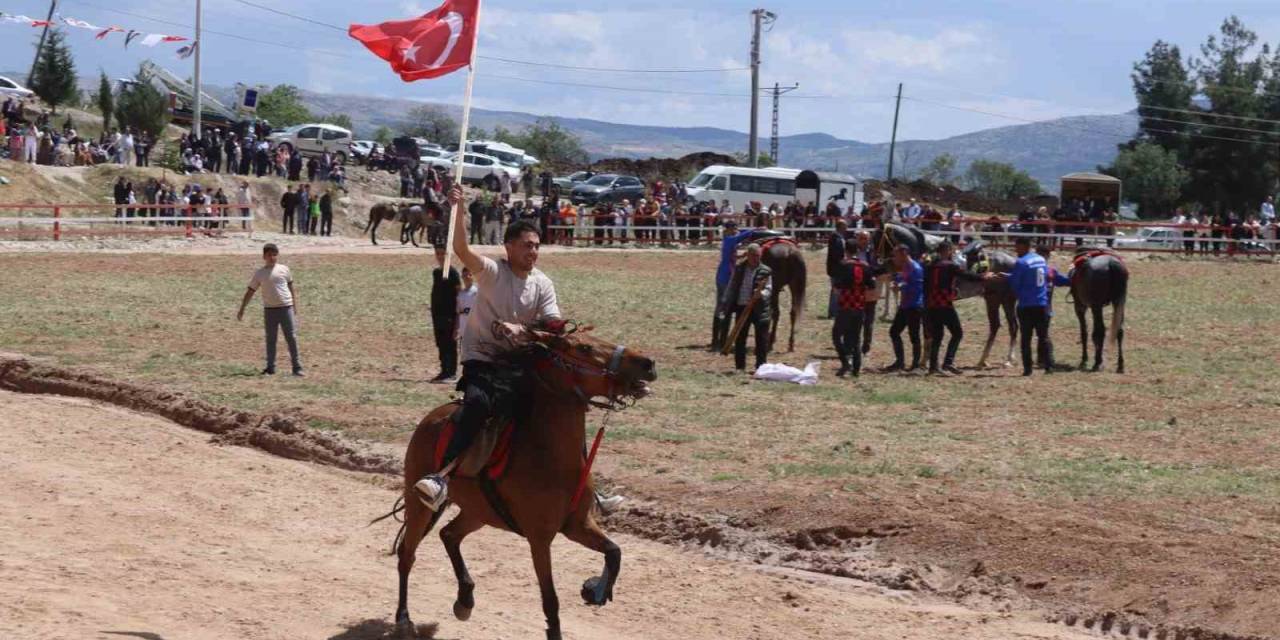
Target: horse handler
[751,277]
[853,280]
[940,309]
[279,307]
[720,323]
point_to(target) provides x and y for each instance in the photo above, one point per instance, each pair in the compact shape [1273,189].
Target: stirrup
[433,490]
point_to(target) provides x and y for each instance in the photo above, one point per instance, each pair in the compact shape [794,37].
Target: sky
[965,66]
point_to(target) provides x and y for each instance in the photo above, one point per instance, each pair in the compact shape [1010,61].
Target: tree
[1000,181]
[477,133]
[764,160]
[338,119]
[548,141]
[55,77]
[383,135]
[142,107]
[1161,82]
[941,170]
[433,123]
[105,99]
[1152,177]
[282,107]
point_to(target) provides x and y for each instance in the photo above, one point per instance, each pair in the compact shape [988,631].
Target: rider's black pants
[487,391]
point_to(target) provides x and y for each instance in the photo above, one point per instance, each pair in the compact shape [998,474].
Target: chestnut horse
[542,474]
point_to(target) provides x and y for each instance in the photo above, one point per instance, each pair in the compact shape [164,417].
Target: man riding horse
[513,295]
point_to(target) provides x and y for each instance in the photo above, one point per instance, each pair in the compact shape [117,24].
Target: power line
[1074,128]
[291,15]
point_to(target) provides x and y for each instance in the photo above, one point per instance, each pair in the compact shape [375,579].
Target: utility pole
[195,116]
[53,6]
[773,142]
[893,140]
[758,18]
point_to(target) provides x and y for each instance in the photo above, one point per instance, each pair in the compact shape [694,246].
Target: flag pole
[462,147]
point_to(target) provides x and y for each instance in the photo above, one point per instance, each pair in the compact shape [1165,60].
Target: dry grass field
[1150,494]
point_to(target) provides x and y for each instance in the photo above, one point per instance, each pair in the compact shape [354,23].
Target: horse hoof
[594,592]
[404,628]
[461,612]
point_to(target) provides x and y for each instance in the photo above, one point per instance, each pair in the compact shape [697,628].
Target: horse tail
[396,510]
[1120,295]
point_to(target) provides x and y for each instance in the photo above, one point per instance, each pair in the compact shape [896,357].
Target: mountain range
[1046,150]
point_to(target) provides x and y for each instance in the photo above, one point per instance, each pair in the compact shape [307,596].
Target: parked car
[1151,238]
[608,188]
[360,150]
[13,89]
[567,183]
[477,169]
[426,154]
[315,139]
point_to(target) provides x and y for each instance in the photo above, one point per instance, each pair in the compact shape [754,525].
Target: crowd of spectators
[247,151]
[41,141]
[162,199]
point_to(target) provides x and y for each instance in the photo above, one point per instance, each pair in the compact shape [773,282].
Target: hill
[1047,150]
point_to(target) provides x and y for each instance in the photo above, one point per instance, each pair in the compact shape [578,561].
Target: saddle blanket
[498,459]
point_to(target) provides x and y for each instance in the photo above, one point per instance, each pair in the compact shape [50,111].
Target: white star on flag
[410,54]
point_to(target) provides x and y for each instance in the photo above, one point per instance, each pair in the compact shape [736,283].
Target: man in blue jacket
[909,281]
[1030,283]
[728,257]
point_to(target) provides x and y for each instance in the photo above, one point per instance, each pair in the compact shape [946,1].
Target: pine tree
[142,107]
[55,77]
[106,101]
[1161,82]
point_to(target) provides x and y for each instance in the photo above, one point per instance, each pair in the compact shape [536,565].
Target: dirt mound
[276,434]
[666,169]
[944,196]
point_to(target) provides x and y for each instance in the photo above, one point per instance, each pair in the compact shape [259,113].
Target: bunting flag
[148,39]
[187,51]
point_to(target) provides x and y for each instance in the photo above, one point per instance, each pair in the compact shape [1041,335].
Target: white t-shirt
[274,283]
[504,297]
[466,300]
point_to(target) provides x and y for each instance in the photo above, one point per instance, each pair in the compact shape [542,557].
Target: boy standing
[466,299]
[279,302]
[444,316]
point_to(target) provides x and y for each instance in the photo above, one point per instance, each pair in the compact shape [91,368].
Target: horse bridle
[614,401]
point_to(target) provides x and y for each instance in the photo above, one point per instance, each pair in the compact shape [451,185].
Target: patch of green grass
[725,477]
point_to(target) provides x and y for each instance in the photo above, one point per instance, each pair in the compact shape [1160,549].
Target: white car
[1151,238]
[315,139]
[13,89]
[477,169]
[360,149]
[427,154]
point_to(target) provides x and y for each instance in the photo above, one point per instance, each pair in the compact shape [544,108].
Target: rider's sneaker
[610,504]
[433,490]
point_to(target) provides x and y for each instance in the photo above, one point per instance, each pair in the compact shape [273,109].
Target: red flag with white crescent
[436,44]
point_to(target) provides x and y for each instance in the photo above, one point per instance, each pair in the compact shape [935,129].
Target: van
[315,139]
[741,185]
[505,153]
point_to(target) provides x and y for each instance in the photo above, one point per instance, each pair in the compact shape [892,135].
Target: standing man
[493,219]
[444,316]
[304,209]
[861,250]
[728,253]
[279,304]
[909,281]
[326,213]
[477,209]
[749,278]
[1029,281]
[244,198]
[1268,212]
[940,311]
[853,281]
[504,186]
[835,263]
[288,205]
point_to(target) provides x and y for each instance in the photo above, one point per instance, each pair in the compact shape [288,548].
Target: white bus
[505,153]
[740,185]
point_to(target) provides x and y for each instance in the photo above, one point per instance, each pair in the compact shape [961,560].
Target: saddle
[765,235]
[488,454]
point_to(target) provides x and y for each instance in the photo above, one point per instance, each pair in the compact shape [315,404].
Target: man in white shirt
[1268,213]
[912,211]
[279,303]
[466,301]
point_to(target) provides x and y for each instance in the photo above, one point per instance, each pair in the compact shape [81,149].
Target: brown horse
[378,213]
[789,271]
[1099,279]
[543,472]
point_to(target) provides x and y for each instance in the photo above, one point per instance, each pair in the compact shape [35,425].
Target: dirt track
[119,524]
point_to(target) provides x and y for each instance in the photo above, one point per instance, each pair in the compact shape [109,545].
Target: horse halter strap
[610,372]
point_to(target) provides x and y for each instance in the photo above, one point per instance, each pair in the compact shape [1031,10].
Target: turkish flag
[434,45]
